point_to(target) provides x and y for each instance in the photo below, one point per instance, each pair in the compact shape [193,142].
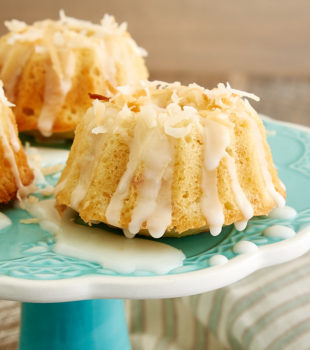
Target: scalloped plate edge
[167,286]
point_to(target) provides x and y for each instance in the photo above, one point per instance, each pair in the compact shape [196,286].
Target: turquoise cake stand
[70,303]
[77,325]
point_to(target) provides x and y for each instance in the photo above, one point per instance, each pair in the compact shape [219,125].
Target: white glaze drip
[241,199]
[112,251]
[87,169]
[115,206]
[261,154]
[57,85]
[151,149]
[210,202]
[13,136]
[286,212]
[241,225]
[9,153]
[87,163]
[3,98]
[245,247]
[127,234]
[279,231]
[5,221]
[161,216]
[217,139]
[217,260]
[156,158]
[14,61]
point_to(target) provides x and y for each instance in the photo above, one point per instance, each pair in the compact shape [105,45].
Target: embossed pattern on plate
[26,251]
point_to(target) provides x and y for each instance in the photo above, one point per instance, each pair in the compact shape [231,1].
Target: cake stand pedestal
[78,325]
[74,304]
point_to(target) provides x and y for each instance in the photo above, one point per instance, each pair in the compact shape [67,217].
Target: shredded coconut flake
[78,30]
[175,98]
[51,169]
[175,118]
[30,35]
[126,89]
[99,130]
[29,221]
[40,49]
[15,25]
[222,91]
[242,93]
[59,39]
[107,26]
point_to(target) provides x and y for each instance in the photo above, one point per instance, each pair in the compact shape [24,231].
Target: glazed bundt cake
[49,68]
[166,159]
[15,172]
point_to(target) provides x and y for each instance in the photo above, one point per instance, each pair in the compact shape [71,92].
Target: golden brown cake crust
[8,186]
[110,164]
[30,68]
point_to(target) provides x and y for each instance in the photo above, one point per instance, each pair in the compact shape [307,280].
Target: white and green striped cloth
[268,310]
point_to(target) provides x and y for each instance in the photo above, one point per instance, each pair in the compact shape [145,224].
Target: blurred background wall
[262,46]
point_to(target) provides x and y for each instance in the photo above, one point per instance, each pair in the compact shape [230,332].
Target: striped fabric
[169,324]
[269,310]
[9,324]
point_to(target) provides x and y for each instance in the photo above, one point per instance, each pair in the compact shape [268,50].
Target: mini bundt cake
[49,68]
[15,172]
[166,159]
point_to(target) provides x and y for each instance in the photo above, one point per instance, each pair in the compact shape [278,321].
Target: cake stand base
[79,325]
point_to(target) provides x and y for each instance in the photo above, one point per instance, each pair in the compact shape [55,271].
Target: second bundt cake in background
[15,174]
[49,68]
[166,159]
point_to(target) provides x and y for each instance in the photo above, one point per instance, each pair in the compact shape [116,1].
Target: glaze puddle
[112,251]
[283,213]
[279,231]
[245,247]
[127,256]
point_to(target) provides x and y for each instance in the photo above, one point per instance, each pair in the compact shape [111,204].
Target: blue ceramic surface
[79,325]
[26,251]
